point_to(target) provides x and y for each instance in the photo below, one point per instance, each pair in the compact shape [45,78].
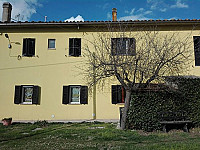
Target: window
[123,46]
[28,47]
[51,44]
[75,94]
[118,94]
[27,94]
[197,50]
[75,47]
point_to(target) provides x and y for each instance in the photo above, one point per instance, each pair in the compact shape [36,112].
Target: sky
[101,10]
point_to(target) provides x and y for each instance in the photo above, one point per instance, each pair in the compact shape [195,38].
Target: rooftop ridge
[106,21]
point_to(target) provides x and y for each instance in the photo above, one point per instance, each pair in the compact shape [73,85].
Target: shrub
[146,107]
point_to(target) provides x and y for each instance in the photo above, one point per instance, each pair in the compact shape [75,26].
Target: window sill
[75,56]
[74,103]
[51,48]
[24,56]
[120,103]
[26,103]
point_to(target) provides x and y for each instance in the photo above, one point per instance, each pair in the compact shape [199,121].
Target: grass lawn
[92,136]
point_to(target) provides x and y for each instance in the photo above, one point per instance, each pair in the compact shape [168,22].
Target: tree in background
[136,57]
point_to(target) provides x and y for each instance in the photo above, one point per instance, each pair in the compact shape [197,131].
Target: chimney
[7,8]
[114,14]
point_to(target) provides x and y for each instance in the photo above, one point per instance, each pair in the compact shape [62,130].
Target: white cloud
[26,10]
[105,6]
[78,18]
[134,14]
[159,5]
[179,5]
[132,11]
[163,9]
[140,10]
[109,16]
[134,17]
[147,12]
[126,11]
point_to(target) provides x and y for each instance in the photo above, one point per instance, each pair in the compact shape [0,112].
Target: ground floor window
[75,94]
[118,94]
[27,94]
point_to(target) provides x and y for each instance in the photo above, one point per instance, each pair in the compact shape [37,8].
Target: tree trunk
[125,111]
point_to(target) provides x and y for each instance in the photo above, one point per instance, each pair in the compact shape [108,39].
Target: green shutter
[65,99]
[114,94]
[36,95]
[18,95]
[84,95]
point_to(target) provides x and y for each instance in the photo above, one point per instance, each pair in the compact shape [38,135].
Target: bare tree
[136,57]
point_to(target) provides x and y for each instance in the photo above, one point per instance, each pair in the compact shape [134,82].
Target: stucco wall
[51,69]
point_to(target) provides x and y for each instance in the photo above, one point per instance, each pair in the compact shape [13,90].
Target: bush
[146,107]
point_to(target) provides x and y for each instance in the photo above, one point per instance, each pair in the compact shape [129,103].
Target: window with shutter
[197,50]
[75,47]
[75,94]
[28,47]
[123,46]
[27,94]
[118,94]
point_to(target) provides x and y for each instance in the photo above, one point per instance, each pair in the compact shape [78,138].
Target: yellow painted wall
[51,69]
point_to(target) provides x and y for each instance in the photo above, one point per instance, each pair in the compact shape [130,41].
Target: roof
[52,24]
[96,22]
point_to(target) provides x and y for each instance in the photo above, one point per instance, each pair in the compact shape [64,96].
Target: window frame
[19,94]
[70,94]
[23,94]
[83,97]
[196,50]
[129,45]
[28,50]
[119,96]
[74,51]
[53,48]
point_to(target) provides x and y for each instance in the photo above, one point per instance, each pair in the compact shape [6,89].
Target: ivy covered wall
[146,107]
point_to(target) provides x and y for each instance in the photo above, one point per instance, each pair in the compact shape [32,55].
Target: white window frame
[23,88]
[70,94]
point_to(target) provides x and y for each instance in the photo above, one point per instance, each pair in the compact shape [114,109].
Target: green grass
[92,136]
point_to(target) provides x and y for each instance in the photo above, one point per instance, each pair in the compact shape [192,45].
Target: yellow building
[40,78]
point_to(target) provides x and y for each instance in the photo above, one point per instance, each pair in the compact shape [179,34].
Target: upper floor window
[197,50]
[27,94]
[51,44]
[118,94]
[75,94]
[75,47]
[123,46]
[28,47]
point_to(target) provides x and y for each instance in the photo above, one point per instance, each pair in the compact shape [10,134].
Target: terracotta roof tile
[87,22]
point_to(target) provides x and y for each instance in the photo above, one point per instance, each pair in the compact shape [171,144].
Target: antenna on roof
[45,18]
[18,16]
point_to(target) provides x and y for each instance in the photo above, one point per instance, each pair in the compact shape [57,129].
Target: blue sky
[90,10]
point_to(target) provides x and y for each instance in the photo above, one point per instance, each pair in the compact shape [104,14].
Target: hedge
[146,107]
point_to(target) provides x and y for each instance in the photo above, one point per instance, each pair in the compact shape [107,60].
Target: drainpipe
[94,91]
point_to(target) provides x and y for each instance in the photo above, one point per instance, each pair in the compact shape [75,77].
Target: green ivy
[146,107]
